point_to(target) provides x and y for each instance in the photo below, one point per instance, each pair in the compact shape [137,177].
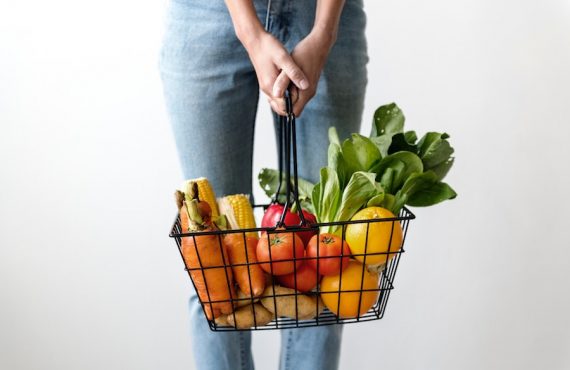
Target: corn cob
[239,212]
[205,193]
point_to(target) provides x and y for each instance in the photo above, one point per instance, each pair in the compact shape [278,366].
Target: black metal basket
[292,308]
[387,273]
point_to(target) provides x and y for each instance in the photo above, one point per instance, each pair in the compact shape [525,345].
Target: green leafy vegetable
[360,189]
[382,143]
[359,153]
[443,168]
[411,137]
[336,162]
[434,149]
[387,178]
[269,182]
[376,201]
[388,202]
[328,195]
[389,169]
[333,136]
[400,143]
[394,169]
[436,193]
[422,190]
[388,119]
[316,200]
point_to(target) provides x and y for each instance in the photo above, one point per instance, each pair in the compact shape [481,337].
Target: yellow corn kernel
[239,212]
[205,193]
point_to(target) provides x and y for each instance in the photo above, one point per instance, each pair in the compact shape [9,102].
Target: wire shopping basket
[302,289]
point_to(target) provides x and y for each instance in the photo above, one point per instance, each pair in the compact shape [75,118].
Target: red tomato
[283,246]
[273,215]
[329,253]
[306,279]
[307,235]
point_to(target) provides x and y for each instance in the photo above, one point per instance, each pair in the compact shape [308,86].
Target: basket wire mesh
[326,317]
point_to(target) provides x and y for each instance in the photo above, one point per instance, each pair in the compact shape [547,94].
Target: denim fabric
[211,95]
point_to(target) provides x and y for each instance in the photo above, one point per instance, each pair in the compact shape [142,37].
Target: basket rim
[407,215]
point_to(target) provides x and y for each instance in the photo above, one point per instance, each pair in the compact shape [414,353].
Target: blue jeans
[211,94]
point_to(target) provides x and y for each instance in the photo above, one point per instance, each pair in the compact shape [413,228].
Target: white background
[90,280]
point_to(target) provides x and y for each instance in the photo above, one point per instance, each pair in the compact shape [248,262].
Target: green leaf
[305,189]
[421,190]
[387,178]
[337,162]
[443,168]
[436,193]
[359,153]
[434,148]
[308,206]
[403,165]
[382,142]
[333,136]
[269,182]
[359,190]
[376,201]
[411,137]
[388,202]
[388,119]
[416,182]
[329,195]
[400,143]
[316,200]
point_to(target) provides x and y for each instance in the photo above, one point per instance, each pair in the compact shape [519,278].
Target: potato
[306,305]
[244,317]
[244,302]
[222,320]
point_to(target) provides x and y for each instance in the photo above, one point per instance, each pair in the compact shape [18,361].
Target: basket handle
[287,157]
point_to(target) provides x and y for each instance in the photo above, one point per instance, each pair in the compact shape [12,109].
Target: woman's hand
[310,54]
[274,67]
[270,59]
[268,56]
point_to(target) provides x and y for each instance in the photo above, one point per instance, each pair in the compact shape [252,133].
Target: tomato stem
[276,240]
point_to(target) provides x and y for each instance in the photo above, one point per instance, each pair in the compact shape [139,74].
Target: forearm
[327,18]
[244,18]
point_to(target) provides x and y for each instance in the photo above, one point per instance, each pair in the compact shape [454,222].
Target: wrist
[248,32]
[325,34]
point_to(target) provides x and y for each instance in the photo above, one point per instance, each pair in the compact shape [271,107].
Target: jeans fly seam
[288,349]
[242,351]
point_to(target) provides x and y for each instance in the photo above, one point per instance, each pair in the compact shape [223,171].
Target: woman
[215,59]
